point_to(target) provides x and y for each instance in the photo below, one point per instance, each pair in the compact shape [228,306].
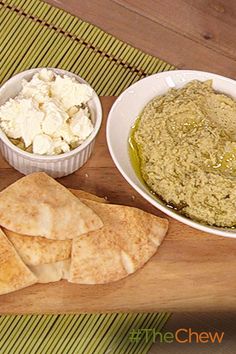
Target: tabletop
[186,33]
[189,34]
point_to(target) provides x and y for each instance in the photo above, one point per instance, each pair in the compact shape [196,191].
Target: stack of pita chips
[49,233]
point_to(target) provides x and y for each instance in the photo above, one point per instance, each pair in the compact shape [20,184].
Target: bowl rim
[97,125]
[231,233]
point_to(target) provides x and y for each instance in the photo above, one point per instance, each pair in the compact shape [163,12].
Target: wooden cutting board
[192,270]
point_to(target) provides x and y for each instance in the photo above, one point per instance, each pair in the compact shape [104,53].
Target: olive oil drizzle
[134,154]
[134,151]
[135,159]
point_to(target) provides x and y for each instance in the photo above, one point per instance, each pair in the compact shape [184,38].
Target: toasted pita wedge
[47,273]
[129,238]
[37,205]
[112,214]
[87,196]
[39,250]
[14,274]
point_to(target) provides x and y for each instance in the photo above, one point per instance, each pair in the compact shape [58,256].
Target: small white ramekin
[57,165]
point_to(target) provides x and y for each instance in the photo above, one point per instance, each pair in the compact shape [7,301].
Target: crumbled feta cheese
[72,111]
[43,144]
[47,113]
[46,75]
[36,89]
[61,146]
[8,114]
[70,92]
[54,119]
[22,119]
[81,125]
[67,134]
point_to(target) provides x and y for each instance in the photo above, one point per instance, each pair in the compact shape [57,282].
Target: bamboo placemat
[35,34]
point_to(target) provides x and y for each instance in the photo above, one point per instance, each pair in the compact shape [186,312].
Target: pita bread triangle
[38,250]
[86,195]
[128,239]
[49,260]
[52,272]
[37,205]
[14,274]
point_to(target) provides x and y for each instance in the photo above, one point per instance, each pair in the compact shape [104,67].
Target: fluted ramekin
[56,165]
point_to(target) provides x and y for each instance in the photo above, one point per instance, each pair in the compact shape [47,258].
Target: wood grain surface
[186,33]
[192,270]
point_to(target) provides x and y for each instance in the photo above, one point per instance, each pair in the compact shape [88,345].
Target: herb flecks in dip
[186,141]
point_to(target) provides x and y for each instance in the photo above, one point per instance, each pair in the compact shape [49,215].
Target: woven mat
[35,34]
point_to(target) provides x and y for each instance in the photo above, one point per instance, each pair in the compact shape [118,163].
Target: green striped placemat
[35,34]
[76,334]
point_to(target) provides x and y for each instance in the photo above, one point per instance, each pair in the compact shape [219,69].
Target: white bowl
[58,165]
[125,111]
